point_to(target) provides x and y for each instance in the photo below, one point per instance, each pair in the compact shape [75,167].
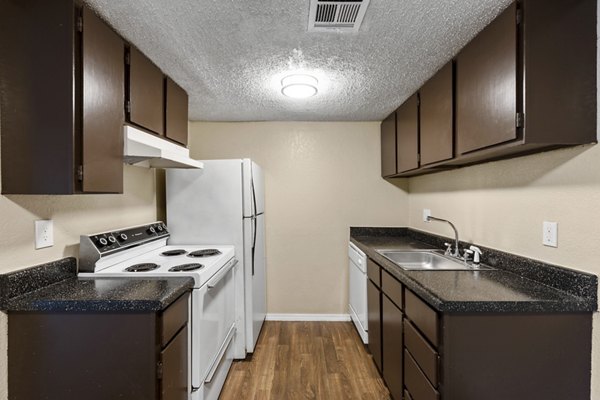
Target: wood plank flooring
[306,360]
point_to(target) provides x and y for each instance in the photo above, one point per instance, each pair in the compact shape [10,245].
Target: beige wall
[502,205]
[320,178]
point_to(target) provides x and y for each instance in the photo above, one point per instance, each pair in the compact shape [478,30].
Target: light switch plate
[44,233]
[550,234]
[426,214]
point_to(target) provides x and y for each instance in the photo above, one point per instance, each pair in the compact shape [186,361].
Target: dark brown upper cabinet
[62,79]
[388,145]
[146,96]
[436,113]
[527,82]
[176,112]
[486,86]
[407,132]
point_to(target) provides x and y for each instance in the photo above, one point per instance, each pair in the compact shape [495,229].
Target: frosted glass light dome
[299,86]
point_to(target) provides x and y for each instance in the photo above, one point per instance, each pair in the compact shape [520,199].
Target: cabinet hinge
[80,173]
[128,107]
[159,370]
[519,120]
[419,158]
[80,24]
[519,16]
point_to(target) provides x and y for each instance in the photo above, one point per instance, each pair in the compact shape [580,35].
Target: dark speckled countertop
[497,290]
[55,287]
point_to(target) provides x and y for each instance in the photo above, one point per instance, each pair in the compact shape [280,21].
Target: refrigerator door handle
[253,243]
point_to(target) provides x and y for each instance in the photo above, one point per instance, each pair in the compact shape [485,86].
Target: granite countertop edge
[565,302]
[55,287]
[81,295]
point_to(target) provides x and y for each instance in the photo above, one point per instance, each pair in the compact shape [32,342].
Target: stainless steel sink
[428,261]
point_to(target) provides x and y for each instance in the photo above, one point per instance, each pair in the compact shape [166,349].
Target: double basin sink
[428,260]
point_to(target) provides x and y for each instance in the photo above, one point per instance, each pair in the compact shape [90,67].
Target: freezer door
[205,206]
[254,278]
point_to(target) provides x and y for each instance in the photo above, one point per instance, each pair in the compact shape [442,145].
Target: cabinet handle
[221,274]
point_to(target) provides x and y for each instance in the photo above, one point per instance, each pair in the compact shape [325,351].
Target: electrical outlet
[550,234]
[426,214]
[44,233]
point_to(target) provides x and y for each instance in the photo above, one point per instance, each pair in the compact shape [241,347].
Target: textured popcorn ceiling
[230,55]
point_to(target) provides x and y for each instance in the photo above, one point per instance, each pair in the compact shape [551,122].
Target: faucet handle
[448,248]
[476,254]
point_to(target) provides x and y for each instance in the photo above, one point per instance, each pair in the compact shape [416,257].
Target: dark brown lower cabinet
[391,323]
[374,320]
[495,356]
[424,354]
[99,355]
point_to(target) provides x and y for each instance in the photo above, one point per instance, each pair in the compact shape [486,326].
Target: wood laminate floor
[306,360]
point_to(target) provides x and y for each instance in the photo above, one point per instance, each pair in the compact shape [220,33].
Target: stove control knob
[112,239]
[102,242]
[159,227]
[151,230]
[122,237]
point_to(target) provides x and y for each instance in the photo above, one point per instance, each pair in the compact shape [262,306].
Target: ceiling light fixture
[299,86]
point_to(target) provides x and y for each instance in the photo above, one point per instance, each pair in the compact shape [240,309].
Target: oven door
[213,317]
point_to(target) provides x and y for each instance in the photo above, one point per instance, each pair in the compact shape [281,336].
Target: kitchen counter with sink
[516,284]
[520,330]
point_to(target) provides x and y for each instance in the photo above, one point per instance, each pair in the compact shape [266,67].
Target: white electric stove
[142,251]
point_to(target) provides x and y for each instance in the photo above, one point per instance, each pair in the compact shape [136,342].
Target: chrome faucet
[456,252]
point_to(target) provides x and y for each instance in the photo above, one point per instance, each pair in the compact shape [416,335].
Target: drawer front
[173,318]
[416,382]
[425,355]
[422,316]
[392,288]
[374,272]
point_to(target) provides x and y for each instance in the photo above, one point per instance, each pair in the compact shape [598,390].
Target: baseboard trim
[308,317]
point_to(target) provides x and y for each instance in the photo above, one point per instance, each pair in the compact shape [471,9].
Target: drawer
[416,382]
[374,272]
[173,318]
[425,355]
[422,316]
[392,288]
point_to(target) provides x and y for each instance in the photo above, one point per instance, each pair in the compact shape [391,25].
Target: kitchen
[323,177]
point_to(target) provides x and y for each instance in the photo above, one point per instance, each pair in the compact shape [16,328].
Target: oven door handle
[220,354]
[221,274]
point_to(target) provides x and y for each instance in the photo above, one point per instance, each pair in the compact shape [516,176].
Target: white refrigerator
[225,204]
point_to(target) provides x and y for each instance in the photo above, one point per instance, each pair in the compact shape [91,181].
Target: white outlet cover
[44,233]
[426,214]
[550,234]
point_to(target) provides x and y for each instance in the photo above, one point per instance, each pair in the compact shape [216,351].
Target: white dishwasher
[357,291]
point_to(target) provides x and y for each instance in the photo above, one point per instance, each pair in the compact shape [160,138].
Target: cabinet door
[392,351]
[374,312]
[388,145]
[407,134]
[103,115]
[174,359]
[176,122]
[486,86]
[146,93]
[436,117]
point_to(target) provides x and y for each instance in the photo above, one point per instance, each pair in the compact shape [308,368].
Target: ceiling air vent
[340,15]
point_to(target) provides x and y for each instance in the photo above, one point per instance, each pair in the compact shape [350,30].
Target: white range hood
[146,150]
